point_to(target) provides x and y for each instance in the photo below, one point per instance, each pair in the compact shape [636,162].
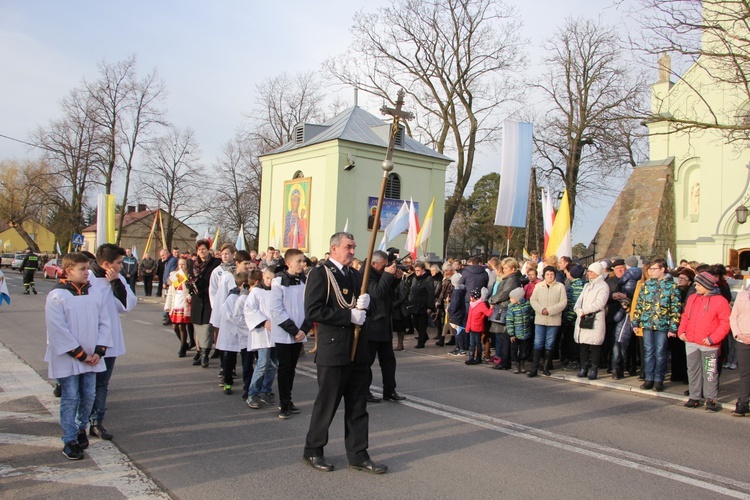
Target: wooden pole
[387,165]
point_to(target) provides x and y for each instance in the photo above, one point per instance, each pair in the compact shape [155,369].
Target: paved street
[465,431]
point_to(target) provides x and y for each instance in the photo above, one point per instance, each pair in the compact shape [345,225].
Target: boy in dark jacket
[519,321]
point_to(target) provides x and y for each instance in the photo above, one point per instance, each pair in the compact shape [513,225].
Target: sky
[211,56]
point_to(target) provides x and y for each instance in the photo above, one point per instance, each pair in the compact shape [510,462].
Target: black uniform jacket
[335,330]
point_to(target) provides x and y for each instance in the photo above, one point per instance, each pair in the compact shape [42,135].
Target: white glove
[358,316]
[363,301]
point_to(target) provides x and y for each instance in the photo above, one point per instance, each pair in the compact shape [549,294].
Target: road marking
[662,468]
[140,321]
[109,466]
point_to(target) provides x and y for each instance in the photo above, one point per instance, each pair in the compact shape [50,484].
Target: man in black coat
[381,288]
[200,306]
[421,302]
[474,276]
[333,301]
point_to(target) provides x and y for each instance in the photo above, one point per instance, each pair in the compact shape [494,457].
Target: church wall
[709,174]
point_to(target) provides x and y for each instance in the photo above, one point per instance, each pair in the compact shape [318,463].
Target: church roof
[356,125]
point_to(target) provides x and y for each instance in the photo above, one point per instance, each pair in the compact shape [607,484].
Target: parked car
[17,261]
[53,269]
[6,259]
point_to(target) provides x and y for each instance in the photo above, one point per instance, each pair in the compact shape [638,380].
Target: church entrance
[744,259]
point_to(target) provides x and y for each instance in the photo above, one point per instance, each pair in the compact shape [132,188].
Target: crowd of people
[618,316]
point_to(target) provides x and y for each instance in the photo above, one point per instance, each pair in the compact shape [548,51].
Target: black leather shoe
[394,396]
[319,463]
[370,466]
[371,398]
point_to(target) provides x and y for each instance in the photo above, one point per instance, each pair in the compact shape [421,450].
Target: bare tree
[126,110]
[171,179]
[70,149]
[22,188]
[712,35]
[589,129]
[283,102]
[457,61]
[237,201]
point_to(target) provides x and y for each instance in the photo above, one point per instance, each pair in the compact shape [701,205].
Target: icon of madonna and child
[296,213]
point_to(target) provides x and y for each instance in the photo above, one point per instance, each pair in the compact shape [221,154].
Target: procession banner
[515,175]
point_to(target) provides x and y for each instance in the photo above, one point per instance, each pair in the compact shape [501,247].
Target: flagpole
[387,166]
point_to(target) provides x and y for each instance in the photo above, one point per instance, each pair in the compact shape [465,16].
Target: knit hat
[455,279]
[517,293]
[596,268]
[576,271]
[617,262]
[476,293]
[708,280]
[631,261]
[605,265]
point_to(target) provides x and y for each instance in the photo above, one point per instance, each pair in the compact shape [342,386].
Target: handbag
[499,315]
[587,321]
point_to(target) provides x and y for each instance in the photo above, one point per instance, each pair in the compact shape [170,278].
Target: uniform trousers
[334,382]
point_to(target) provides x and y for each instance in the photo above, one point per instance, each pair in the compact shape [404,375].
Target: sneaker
[455,353]
[732,366]
[284,412]
[712,406]
[227,390]
[73,451]
[98,430]
[244,396]
[692,403]
[254,402]
[464,353]
[268,397]
[83,439]
[57,391]
[293,409]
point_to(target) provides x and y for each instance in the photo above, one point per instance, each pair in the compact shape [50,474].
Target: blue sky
[209,54]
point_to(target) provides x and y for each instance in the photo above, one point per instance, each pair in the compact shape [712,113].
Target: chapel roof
[356,125]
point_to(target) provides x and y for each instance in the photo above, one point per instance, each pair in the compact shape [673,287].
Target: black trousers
[148,284]
[678,358]
[521,349]
[334,382]
[288,355]
[384,352]
[28,277]
[592,352]
[420,324]
[568,346]
[159,287]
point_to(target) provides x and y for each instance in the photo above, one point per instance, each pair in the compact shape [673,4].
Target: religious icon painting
[296,214]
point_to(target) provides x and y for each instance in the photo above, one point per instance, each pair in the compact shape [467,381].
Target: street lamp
[741,214]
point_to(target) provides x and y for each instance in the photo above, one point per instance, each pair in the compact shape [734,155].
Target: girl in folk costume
[178,302]
[258,320]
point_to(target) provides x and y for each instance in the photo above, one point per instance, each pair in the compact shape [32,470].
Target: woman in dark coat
[511,279]
[201,304]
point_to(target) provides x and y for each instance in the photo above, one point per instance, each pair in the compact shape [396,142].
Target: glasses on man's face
[655,268]
[683,278]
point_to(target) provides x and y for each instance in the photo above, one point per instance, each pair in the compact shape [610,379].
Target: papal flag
[561,240]
[515,175]
[272,240]
[426,231]
[105,219]
[548,218]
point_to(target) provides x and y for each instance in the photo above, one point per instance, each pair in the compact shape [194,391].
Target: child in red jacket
[476,318]
[704,324]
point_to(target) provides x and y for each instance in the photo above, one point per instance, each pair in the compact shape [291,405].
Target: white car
[6,259]
[17,261]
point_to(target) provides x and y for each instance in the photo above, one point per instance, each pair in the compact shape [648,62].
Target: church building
[329,177]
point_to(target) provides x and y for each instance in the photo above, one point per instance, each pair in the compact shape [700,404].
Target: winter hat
[517,293]
[455,279]
[631,261]
[617,262]
[576,271]
[605,265]
[596,268]
[476,293]
[686,271]
[709,281]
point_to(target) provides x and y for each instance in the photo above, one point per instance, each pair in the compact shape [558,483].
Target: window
[393,187]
